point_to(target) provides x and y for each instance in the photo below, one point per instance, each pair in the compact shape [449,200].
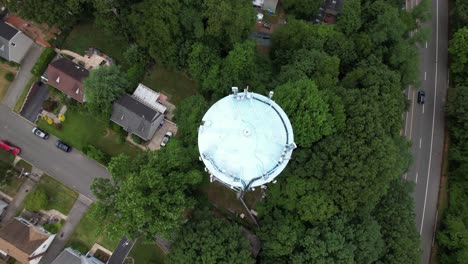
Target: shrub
[53,228]
[36,200]
[135,74]
[137,139]
[96,154]
[49,105]
[58,126]
[50,121]
[116,127]
[9,76]
[61,118]
[43,61]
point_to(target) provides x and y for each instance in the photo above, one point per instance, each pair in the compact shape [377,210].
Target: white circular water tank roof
[245,140]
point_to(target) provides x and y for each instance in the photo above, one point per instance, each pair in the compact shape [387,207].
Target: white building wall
[19,46]
[41,249]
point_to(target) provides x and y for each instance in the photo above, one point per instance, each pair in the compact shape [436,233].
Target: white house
[23,241]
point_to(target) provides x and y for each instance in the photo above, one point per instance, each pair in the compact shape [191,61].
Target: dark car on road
[42,134]
[421,97]
[8,147]
[63,146]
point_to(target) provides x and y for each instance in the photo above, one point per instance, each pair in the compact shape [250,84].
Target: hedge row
[43,61]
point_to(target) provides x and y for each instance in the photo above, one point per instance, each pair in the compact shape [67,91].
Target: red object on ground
[8,147]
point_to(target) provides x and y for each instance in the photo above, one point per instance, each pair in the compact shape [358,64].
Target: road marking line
[423,109]
[433,115]
[416,177]
[411,122]
[435,227]
[420,142]
[425,75]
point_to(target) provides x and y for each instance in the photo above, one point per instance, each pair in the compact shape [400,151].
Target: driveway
[23,76]
[73,169]
[33,105]
[73,218]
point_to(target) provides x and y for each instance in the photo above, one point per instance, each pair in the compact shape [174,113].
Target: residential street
[23,76]
[425,124]
[73,169]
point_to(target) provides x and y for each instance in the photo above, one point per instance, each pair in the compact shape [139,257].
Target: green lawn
[81,128]
[86,234]
[12,186]
[6,157]
[175,85]
[22,97]
[22,164]
[4,83]
[61,198]
[86,35]
[146,253]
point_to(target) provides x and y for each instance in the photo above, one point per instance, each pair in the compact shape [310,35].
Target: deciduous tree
[149,194]
[206,239]
[103,86]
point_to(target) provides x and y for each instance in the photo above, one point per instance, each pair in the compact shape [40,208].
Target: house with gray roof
[13,43]
[136,117]
[71,256]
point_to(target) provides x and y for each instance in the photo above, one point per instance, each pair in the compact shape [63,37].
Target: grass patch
[86,35]
[226,199]
[146,253]
[4,83]
[60,197]
[175,85]
[12,185]
[23,95]
[6,157]
[86,234]
[22,164]
[81,129]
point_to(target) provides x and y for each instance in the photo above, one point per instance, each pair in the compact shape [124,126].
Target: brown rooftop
[67,76]
[20,240]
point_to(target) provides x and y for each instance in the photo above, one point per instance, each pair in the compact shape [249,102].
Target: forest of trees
[454,227]
[341,198]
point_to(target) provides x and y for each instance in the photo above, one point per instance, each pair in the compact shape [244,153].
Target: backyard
[226,199]
[175,85]
[86,35]
[59,197]
[4,83]
[86,234]
[81,129]
[143,252]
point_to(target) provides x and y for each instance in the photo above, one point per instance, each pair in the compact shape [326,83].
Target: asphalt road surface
[73,169]
[425,124]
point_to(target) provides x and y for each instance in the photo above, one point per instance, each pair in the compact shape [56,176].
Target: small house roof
[7,31]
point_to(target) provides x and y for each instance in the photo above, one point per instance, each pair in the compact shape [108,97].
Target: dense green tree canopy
[207,239]
[459,53]
[148,194]
[103,86]
[299,97]
[48,11]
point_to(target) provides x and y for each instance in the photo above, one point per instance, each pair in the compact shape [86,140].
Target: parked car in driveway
[63,146]
[166,138]
[42,134]
[8,147]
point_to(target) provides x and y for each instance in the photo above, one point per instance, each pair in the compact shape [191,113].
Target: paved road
[23,76]
[73,169]
[425,124]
